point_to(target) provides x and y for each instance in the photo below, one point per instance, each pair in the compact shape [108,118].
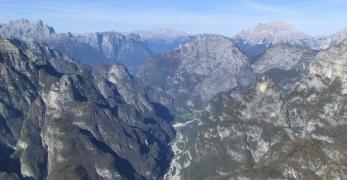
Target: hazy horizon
[207,16]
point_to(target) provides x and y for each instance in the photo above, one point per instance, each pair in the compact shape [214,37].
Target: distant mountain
[107,47]
[161,40]
[62,120]
[129,49]
[132,49]
[255,41]
[25,29]
[198,70]
[90,48]
[273,33]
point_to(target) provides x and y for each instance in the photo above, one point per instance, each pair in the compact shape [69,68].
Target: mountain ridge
[134,48]
[56,112]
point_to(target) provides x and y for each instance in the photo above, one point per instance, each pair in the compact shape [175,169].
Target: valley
[268,103]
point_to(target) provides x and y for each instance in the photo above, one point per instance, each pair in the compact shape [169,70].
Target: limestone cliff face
[59,120]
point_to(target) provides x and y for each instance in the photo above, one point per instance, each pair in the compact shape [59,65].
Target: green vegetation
[184,117]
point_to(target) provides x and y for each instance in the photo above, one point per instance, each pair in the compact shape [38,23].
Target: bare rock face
[60,120]
[271,133]
[198,70]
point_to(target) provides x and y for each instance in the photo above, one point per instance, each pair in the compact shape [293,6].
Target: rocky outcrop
[60,120]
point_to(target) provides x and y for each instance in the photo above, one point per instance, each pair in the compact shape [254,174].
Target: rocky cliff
[61,120]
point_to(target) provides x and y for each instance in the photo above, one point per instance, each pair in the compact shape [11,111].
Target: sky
[227,17]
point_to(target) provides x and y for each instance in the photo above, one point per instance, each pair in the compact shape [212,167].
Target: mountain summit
[25,29]
[272,33]
[255,41]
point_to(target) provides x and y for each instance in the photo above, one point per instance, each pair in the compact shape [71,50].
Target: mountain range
[129,49]
[133,48]
[268,103]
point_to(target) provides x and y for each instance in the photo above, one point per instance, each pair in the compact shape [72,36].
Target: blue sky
[316,17]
